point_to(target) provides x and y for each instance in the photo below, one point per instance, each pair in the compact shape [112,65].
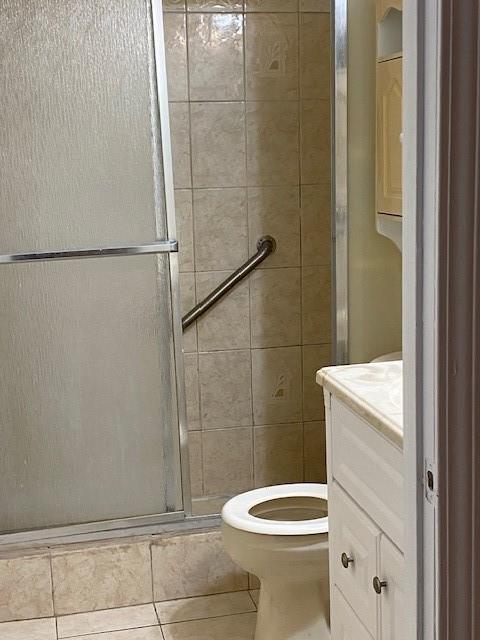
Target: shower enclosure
[91,380]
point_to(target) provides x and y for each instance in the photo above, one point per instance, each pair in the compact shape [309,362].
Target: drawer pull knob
[378,585]
[346,560]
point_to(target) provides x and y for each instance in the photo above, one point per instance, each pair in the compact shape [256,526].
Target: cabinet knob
[378,585]
[346,560]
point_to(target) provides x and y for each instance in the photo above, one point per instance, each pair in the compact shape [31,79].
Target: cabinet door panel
[352,533]
[345,624]
[389,129]
[370,468]
[392,600]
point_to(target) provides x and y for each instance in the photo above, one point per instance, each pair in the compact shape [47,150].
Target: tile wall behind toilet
[249,86]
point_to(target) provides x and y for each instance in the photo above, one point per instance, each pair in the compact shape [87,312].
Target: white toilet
[280,534]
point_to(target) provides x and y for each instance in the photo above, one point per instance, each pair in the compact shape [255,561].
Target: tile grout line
[192,200]
[300,180]
[223,615]
[249,279]
[150,552]
[53,592]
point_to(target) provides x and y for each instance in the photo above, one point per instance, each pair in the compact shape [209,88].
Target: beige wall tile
[101,578]
[275,211]
[315,74]
[215,5]
[227,461]
[184,219]
[275,307]
[278,454]
[29,630]
[174,5]
[215,44]
[271,56]
[208,505]
[187,301]
[196,463]
[194,565]
[239,627]
[272,143]
[227,324]
[277,385]
[315,141]
[225,389]
[25,588]
[192,391]
[314,358]
[218,144]
[81,624]
[316,305]
[315,5]
[315,216]
[271,5]
[314,452]
[180,132]
[176,56]
[222,604]
[221,236]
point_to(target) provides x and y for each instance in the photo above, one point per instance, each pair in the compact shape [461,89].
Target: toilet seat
[236,512]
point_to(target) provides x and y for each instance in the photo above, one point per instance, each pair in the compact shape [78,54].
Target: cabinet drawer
[345,624]
[369,467]
[353,533]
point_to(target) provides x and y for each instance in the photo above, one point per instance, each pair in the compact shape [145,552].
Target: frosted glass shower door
[88,396]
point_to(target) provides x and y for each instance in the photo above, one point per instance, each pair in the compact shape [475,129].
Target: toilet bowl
[280,534]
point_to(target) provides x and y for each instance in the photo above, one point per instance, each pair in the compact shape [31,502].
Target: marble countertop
[373,390]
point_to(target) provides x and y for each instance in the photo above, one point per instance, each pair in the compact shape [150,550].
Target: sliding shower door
[89,419]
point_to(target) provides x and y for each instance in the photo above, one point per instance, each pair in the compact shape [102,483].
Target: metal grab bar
[265,246]
[166,246]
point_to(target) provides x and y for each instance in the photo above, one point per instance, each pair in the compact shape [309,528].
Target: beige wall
[250,114]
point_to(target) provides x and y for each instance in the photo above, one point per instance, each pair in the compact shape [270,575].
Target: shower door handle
[164,246]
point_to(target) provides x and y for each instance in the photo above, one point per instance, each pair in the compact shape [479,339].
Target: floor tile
[147,633]
[222,604]
[239,627]
[43,629]
[81,624]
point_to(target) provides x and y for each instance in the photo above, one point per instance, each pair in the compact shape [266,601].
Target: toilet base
[293,611]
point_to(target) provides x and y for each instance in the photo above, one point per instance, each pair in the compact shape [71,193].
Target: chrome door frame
[176,460]
[181,436]
[340,181]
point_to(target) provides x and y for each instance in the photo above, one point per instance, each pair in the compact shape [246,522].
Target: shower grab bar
[166,246]
[265,246]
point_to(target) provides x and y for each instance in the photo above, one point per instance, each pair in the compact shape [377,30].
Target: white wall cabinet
[365,542]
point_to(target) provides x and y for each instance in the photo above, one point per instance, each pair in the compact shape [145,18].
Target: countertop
[373,390]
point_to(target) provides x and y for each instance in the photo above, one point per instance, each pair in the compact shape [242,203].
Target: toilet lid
[236,512]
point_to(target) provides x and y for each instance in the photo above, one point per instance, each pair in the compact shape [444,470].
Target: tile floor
[216,617]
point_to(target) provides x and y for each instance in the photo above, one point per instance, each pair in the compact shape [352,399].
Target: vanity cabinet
[365,476]
[347,626]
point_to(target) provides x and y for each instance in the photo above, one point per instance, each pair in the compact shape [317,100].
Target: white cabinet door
[345,624]
[352,533]
[392,601]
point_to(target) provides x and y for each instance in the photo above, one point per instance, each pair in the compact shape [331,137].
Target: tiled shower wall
[249,85]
